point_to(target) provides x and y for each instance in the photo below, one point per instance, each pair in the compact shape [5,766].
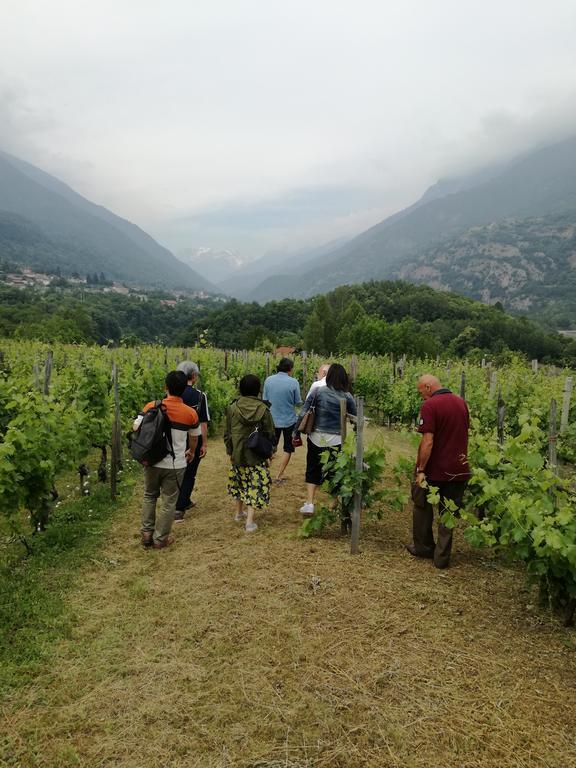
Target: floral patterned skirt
[250,485]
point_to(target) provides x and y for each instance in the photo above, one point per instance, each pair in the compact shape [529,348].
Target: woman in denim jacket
[326,435]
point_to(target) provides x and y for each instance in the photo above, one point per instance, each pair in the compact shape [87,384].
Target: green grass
[33,612]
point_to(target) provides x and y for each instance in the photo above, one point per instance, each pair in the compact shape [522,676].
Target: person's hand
[189,455]
[203,450]
[421,479]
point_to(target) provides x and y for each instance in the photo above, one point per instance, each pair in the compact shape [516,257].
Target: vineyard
[336,642]
[59,404]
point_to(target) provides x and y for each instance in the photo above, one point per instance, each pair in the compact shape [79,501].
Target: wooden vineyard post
[355,536]
[463,385]
[116,435]
[568,384]
[343,418]
[36,372]
[267,364]
[501,415]
[552,436]
[48,372]
[493,382]
[226,362]
[535,366]
[165,357]
[353,369]
[304,372]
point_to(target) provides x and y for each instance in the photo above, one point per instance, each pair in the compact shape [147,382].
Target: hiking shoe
[192,504]
[307,509]
[164,543]
[146,539]
[251,527]
[179,516]
[427,553]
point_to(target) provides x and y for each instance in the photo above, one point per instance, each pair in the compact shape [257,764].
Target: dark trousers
[423,517]
[189,479]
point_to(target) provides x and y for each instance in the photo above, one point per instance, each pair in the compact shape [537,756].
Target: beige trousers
[160,482]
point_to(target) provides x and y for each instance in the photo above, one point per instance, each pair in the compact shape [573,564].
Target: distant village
[27,278]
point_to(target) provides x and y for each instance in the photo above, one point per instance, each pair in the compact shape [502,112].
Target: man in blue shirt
[283,393]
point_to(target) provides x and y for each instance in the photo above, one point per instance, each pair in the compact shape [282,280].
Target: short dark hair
[337,378]
[285,365]
[250,385]
[176,382]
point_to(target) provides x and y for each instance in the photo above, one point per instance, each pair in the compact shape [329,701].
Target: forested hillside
[377,318]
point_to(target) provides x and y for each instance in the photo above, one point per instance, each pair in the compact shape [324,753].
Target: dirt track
[267,650]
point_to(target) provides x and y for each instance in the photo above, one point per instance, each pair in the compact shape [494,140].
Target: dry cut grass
[266,650]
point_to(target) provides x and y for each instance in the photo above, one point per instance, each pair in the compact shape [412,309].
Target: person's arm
[297,395]
[204,446]
[192,442]
[351,404]
[268,425]
[424,451]
[228,433]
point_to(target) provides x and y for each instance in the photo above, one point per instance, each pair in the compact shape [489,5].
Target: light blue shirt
[283,392]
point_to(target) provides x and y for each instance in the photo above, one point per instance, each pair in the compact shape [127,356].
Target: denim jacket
[327,403]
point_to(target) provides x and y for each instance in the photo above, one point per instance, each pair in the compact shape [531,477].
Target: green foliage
[342,480]
[527,510]
[32,611]
[375,318]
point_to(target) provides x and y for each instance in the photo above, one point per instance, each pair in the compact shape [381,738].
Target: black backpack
[152,441]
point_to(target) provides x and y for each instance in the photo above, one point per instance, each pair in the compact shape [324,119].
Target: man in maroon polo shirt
[442,461]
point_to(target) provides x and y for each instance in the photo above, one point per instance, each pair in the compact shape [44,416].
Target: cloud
[246,122]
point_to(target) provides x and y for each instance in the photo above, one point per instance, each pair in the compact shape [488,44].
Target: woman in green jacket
[249,479]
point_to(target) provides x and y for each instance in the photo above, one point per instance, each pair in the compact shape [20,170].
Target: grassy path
[265,650]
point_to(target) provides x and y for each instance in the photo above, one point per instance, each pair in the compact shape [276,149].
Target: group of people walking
[275,417]
[262,428]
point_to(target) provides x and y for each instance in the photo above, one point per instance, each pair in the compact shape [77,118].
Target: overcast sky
[271,124]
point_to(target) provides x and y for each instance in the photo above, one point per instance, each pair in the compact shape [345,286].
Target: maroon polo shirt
[446,416]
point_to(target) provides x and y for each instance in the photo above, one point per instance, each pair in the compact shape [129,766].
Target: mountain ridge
[536,184]
[82,236]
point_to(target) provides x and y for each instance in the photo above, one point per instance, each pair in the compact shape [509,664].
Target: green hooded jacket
[242,417]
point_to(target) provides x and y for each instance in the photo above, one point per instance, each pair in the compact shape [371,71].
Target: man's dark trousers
[189,480]
[423,517]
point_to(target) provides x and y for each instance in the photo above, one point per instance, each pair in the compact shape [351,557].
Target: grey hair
[189,368]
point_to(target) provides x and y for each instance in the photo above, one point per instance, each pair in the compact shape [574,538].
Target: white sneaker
[251,527]
[307,509]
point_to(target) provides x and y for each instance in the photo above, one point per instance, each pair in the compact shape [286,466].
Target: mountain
[45,224]
[528,265]
[278,267]
[536,185]
[212,264]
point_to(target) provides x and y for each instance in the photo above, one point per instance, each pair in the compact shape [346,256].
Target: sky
[266,125]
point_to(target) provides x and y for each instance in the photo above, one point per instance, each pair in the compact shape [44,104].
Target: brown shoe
[165,543]
[146,539]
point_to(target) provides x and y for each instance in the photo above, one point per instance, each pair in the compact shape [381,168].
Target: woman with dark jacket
[249,478]
[326,435]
